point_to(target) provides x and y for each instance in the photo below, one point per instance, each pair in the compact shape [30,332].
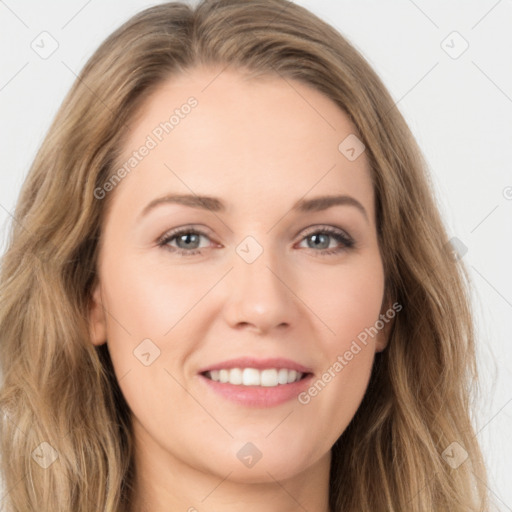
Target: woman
[259,369]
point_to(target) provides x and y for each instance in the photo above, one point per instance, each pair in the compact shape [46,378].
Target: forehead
[223,133]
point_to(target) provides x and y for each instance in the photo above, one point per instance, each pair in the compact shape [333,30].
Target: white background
[460,111]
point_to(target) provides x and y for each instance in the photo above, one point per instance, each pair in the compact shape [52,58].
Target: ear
[97,318]
[382,339]
[386,317]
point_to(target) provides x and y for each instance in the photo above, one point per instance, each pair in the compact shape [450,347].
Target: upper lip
[260,364]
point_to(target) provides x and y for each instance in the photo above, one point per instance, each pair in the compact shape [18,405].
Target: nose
[260,295]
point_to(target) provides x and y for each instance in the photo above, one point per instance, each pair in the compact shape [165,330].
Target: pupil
[186,238]
[325,243]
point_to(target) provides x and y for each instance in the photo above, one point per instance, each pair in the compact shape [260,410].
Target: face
[261,283]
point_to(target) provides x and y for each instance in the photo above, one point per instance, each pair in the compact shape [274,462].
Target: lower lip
[258,396]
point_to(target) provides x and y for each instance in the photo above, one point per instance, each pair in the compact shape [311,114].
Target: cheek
[147,340]
[152,324]
[347,299]
[349,302]
[147,303]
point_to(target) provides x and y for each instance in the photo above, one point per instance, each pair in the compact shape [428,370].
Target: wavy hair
[66,438]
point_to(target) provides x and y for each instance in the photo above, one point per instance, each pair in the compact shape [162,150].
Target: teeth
[235,376]
[271,377]
[282,376]
[250,377]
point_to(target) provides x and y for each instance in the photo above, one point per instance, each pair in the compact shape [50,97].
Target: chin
[276,463]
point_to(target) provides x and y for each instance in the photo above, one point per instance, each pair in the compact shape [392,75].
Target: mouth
[254,382]
[269,377]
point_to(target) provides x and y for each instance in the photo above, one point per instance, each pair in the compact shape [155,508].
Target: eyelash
[338,235]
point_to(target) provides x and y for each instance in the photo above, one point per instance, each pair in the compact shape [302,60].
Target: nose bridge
[254,264]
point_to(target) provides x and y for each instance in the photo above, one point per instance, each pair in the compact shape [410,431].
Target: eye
[187,240]
[321,239]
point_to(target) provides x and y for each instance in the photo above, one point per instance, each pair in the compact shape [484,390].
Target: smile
[269,377]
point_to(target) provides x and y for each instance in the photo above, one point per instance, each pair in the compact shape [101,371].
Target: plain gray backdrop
[448,65]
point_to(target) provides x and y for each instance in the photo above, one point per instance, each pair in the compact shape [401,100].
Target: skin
[259,146]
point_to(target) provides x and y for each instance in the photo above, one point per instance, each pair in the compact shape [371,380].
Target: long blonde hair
[66,438]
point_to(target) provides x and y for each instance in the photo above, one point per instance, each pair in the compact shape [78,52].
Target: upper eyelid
[324,227]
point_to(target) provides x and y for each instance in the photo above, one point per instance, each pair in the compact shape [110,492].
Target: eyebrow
[214,204]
